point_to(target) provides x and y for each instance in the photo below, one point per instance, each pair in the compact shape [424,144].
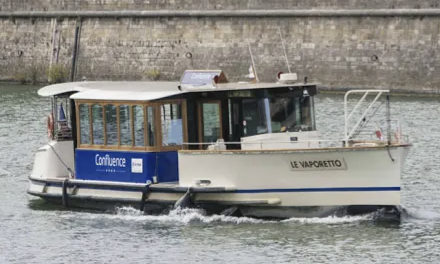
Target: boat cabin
[132,131]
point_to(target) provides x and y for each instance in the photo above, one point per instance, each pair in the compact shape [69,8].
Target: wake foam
[330,219]
[199,216]
[413,214]
[185,216]
[176,216]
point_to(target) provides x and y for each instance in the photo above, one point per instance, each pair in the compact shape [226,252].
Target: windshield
[291,114]
[286,114]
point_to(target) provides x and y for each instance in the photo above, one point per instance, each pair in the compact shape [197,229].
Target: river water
[34,232]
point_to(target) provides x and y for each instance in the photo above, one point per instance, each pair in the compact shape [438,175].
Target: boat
[237,148]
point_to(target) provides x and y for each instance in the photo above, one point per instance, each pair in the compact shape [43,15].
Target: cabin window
[291,114]
[172,130]
[84,123]
[210,122]
[97,125]
[111,122]
[254,117]
[125,125]
[138,124]
[151,135]
[284,114]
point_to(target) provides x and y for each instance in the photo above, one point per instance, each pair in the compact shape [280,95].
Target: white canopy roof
[104,90]
[144,91]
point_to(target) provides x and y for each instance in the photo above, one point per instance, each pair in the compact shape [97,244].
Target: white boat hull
[332,177]
[263,185]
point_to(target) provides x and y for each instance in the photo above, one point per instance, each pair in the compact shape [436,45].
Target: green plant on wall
[28,74]
[153,74]
[33,73]
[57,73]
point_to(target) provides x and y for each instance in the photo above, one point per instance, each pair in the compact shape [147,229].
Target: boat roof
[147,91]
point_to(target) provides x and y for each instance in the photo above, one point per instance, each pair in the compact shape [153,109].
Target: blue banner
[119,166]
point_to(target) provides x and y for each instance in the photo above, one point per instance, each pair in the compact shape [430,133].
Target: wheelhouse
[131,131]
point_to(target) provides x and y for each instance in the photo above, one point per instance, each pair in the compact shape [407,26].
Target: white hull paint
[54,160]
[368,175]
[260,183]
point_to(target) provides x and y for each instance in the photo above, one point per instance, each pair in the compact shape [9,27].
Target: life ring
[50,125]
[379,135]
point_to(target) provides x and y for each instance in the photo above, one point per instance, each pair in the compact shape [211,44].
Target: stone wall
[336,52]
[397,52]
[99,5]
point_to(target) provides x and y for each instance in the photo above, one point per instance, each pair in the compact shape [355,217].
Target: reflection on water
[34,232]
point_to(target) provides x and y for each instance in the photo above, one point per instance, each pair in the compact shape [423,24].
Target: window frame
[91,122]
[118,121]
[159,125]
[157,122]
[200,123]
[78,127]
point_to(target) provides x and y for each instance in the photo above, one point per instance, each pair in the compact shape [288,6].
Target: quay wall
[340,44]
[105,5]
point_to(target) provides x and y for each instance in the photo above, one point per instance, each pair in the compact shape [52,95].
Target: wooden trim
[113,102]
[171,148]
[104,124]
[157,122]
[182,103]
[170,101]
[130,113]
[152,149]
[115,148]
[78,129]
[158,127]
[155,147]
[146,140]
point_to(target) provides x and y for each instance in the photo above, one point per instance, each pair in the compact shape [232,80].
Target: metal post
[388,120]
[267,113]
[74,52]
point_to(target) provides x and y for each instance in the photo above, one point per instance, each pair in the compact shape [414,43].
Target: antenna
[253,64]
[284,49]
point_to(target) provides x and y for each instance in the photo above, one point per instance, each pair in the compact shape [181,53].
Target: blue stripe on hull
[173,190]
[337,189]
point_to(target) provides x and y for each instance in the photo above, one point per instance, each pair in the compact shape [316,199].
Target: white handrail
[347,117]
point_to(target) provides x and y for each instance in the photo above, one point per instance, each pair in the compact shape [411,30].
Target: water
[32,232]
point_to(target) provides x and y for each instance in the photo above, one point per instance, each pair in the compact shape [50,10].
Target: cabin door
[210,122]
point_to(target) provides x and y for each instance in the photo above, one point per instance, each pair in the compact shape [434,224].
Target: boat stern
[54,160]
